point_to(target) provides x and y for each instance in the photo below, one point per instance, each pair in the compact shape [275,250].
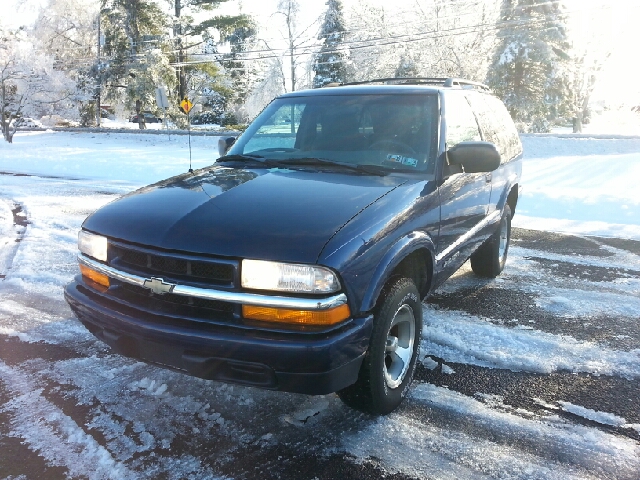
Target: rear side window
[496,125]
[461,122]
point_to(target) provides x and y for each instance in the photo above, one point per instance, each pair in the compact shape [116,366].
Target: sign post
[163,102]
[186,106]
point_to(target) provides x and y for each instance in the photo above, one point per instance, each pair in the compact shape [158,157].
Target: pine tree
[528,68]
[407,67]
[136,51]
[188,33]
[330,63]
[242,74]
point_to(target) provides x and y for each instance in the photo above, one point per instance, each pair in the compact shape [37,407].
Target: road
[532,375]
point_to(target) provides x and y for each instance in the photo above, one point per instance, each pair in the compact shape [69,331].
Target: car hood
[278,214]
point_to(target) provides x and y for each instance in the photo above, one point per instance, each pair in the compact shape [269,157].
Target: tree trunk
[577,123]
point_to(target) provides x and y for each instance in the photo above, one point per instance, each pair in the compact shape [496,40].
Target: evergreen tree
[330,63]
[136,51]
[189,34]
[407,67]
[528,68]
[242,74]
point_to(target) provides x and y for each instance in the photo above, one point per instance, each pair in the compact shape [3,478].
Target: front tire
[489,260]
[388,367]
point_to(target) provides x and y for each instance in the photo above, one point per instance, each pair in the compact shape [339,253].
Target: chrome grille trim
[224,296]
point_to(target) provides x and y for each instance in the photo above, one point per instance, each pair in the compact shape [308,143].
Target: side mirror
[224,144]
[475,157]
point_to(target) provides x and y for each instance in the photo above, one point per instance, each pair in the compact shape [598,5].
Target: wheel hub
[399,346]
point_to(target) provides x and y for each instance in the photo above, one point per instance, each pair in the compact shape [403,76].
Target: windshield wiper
[372,169]
[250,158]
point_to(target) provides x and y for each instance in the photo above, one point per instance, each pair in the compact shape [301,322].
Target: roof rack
[445,82]
[450,82]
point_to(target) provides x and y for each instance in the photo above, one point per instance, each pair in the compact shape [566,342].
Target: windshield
[390,132]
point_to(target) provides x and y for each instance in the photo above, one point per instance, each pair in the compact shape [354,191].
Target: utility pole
[98,101]
[177,31]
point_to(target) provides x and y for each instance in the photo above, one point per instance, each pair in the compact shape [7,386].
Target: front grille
[171,303]
[172,266]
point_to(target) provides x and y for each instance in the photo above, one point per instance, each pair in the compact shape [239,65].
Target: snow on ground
[131,159]
[583,185]
[617,121]
[462,338]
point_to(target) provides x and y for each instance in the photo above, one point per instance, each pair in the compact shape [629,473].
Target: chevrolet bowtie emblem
[158,285]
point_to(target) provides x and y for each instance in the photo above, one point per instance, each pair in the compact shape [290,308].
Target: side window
[461,122]
[496,125]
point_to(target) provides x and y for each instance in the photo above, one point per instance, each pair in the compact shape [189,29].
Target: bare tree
[299,40]
[425,38]
[29,83]
[72,41]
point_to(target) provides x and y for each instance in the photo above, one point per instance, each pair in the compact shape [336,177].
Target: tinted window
[461,122]
[398,132]
[496,124]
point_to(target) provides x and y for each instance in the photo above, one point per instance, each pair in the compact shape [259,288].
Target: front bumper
[311,362]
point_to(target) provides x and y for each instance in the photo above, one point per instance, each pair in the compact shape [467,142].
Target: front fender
[406,245]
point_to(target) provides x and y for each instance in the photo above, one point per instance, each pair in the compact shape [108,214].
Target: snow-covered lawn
[583,186]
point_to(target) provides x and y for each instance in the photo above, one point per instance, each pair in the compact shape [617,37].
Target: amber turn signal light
[96,277]
[297,317]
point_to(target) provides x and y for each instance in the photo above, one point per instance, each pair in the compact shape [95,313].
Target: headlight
[93,245]
[287,277]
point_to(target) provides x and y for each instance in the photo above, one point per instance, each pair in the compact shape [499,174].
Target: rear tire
[489,259]
[388,366]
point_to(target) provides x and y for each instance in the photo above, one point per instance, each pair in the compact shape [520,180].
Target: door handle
[488,177]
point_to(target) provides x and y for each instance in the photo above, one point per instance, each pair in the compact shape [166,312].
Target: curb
[195,133]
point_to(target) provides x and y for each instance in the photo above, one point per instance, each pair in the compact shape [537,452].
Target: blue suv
[298,261]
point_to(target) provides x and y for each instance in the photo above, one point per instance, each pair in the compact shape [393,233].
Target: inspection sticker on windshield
[411,162]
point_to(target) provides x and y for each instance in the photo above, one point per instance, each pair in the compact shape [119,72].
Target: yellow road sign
[186,105]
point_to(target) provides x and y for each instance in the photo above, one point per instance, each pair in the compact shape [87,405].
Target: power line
[374,42]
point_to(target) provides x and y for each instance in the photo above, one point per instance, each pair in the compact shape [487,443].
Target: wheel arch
[411,256]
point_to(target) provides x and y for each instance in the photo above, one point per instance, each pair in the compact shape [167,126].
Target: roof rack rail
[401,80]
[450,82]
[445,82]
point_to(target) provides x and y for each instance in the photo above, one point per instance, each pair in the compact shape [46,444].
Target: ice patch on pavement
[138,409]
[54,435]
[309,412]
[462,338]
[581,303]
[444,444]
[447,370]
[32,325]
[594,415]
